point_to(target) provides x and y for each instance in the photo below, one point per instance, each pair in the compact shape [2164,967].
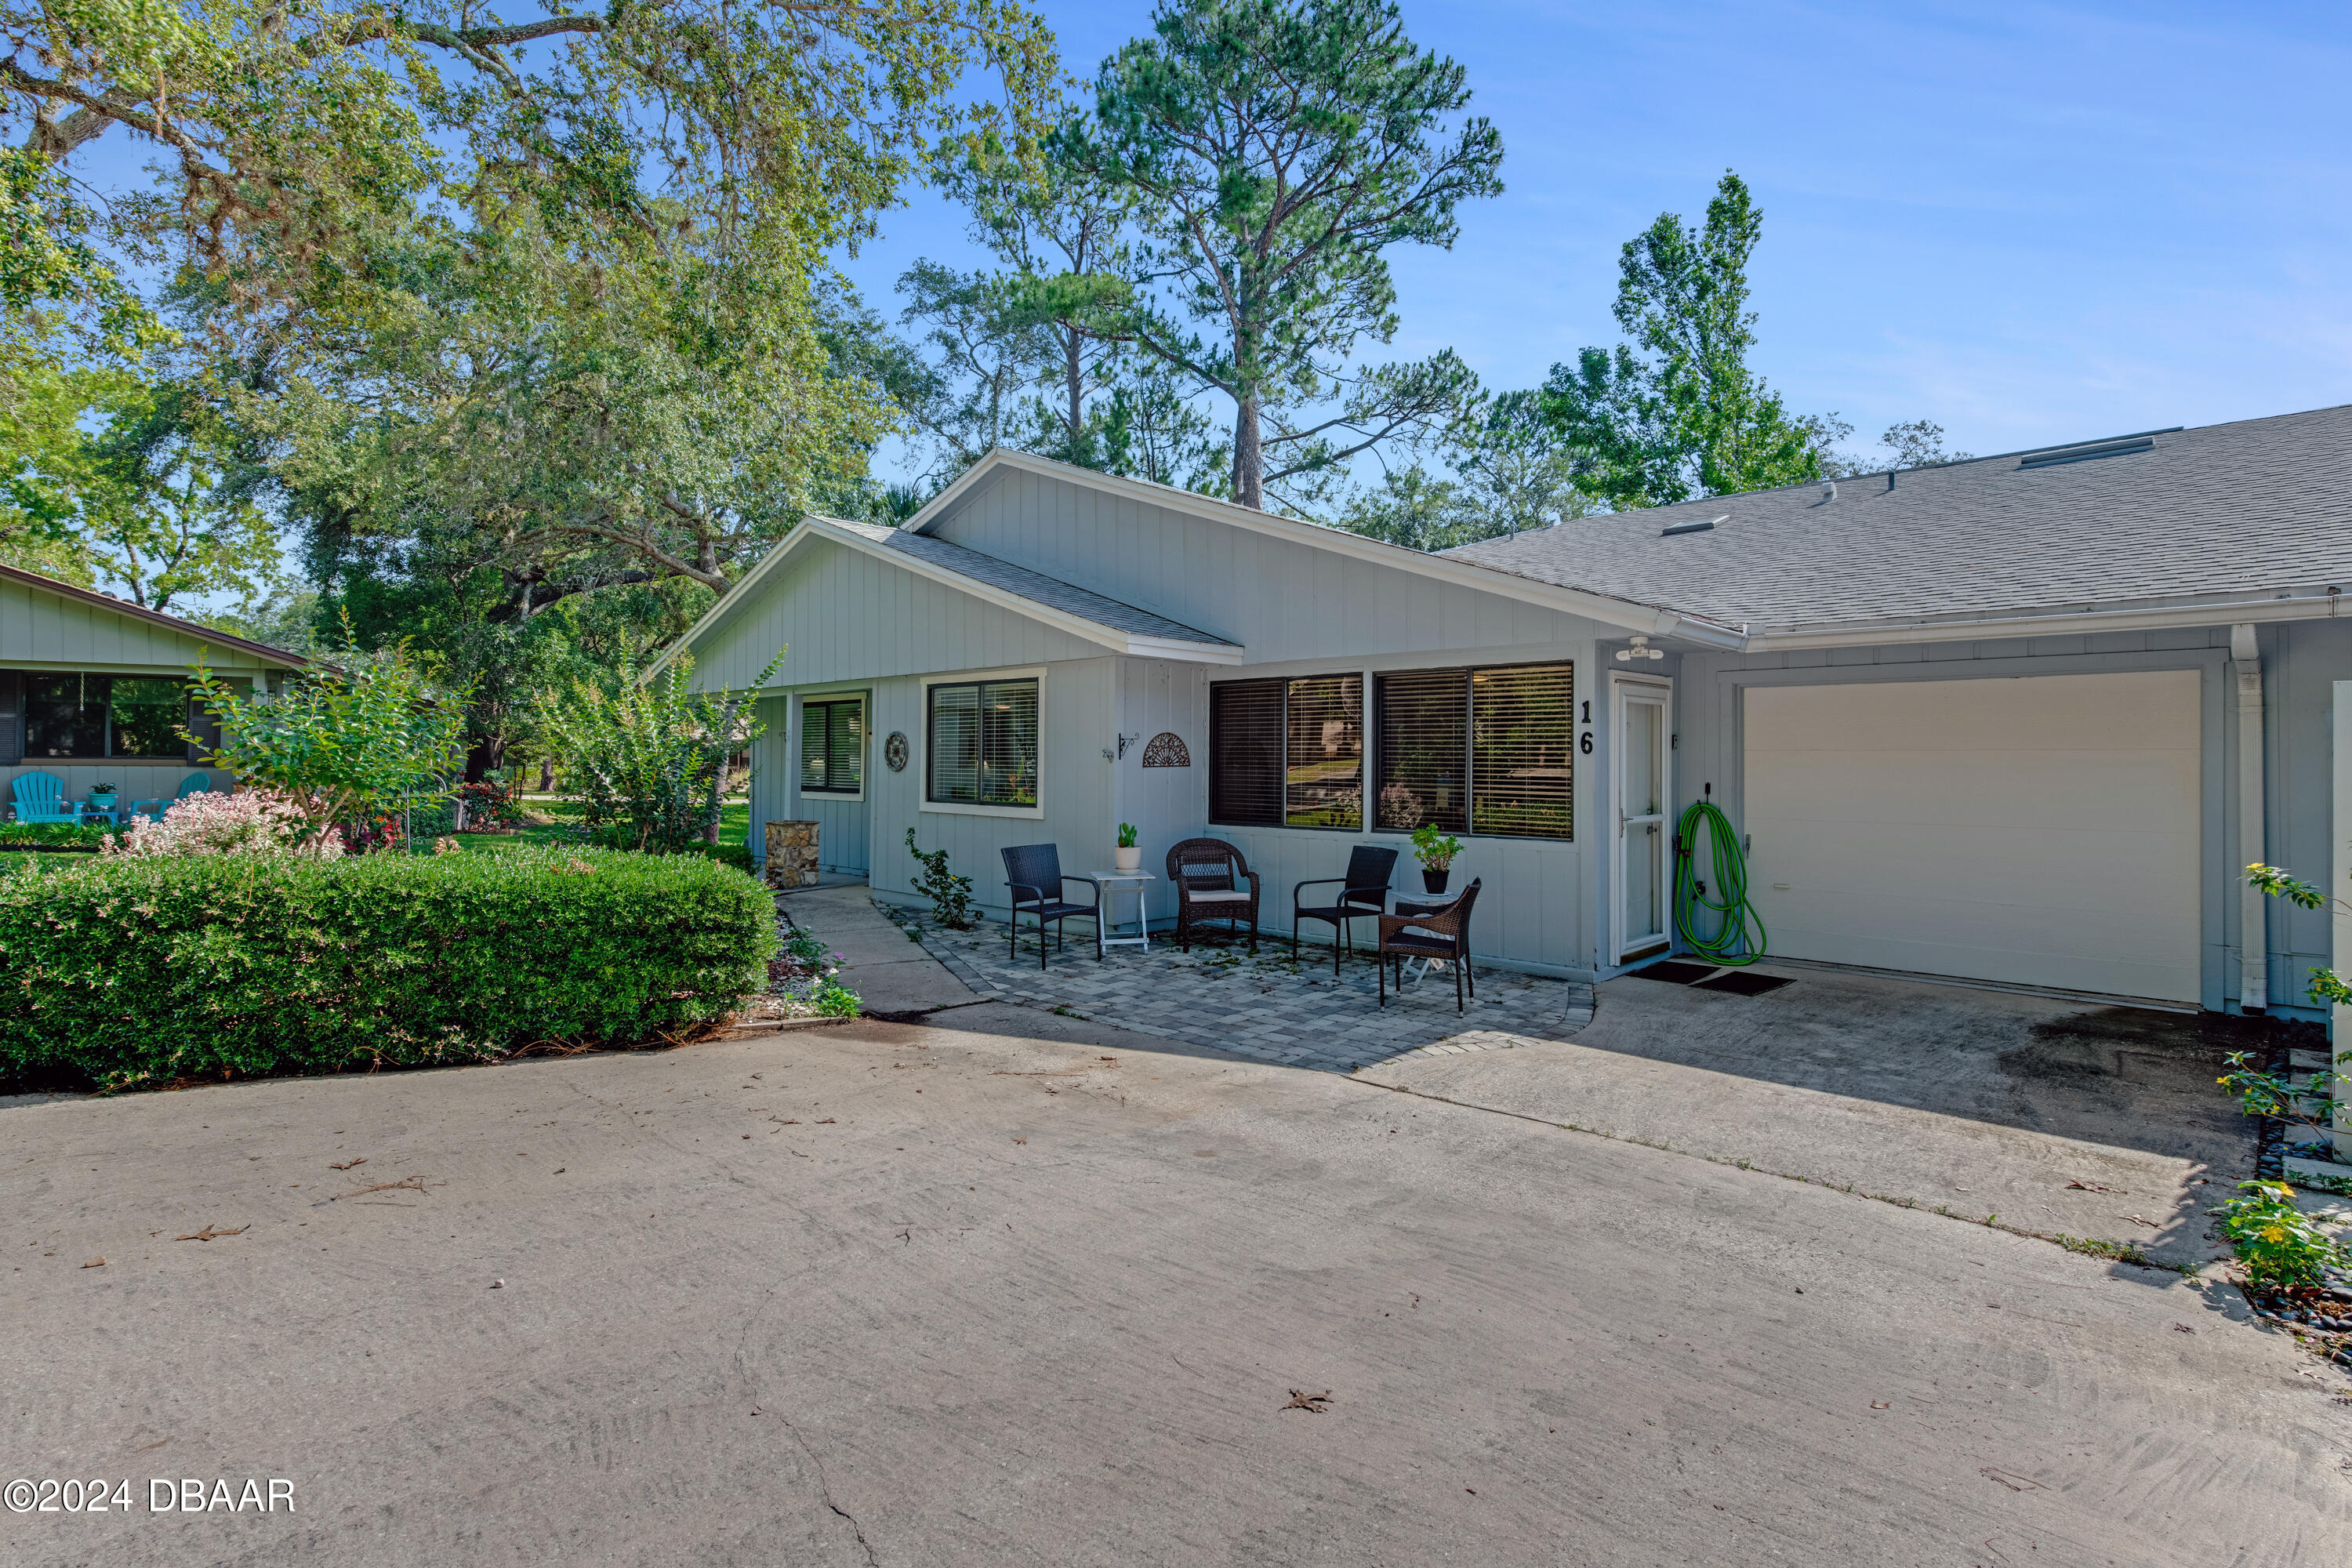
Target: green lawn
[734,823]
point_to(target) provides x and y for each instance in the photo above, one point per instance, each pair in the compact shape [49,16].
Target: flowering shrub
[490,806]
[251,822]
[2275,1241]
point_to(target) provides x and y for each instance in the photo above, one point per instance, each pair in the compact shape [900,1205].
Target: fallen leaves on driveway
[2088,1187]
[210,1234]
[348,1164]
[1302,1400]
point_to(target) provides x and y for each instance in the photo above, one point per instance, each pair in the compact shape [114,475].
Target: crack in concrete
[825,1490]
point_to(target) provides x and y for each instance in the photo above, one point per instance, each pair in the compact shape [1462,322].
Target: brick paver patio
[1265,1007]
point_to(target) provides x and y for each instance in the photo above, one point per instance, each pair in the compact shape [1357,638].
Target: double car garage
[2030,830]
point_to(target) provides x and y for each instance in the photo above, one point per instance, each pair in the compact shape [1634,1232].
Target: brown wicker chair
[1442,935]
[1208,874]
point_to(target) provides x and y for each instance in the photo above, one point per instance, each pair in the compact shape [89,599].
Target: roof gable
[45,624]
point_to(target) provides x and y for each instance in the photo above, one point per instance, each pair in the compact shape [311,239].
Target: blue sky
[2029,223]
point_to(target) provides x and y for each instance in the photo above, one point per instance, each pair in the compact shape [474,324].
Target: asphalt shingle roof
[1034,586]
[2255,506]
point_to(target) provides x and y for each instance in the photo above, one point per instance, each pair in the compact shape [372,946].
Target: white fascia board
[1623,612]
[2201,612]
[1108,638]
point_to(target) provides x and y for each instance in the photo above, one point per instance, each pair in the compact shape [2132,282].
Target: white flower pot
[1128,859]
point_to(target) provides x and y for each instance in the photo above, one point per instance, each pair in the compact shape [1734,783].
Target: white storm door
[1641,764]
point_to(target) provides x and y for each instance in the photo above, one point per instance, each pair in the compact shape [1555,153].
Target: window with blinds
[1522,738]
[1245,752]
[1323,758]
[832,746]
[1287,753]
[1425,749]
[1477,751]
[983,744]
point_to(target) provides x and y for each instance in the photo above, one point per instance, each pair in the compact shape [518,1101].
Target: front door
[1643,755]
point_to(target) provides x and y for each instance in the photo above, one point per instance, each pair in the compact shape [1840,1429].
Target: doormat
[1673,970]
[1740,983]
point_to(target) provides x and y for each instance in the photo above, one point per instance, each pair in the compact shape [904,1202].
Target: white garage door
[2037,830]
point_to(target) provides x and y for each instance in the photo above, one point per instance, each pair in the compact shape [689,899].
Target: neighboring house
[2020,720]
[93,690]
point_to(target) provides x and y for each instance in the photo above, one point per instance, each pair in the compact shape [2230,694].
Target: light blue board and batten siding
[48,631]
[845,615]
[1281,601]
[1075,723]
[843,840]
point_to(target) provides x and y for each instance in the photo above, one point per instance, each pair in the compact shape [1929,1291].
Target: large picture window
[1478,750]
[1287,754]
[832,746]
[984,743]
[100,716]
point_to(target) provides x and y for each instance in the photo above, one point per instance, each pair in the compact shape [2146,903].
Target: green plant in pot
[102,797]
[1130,856]
[1436,850]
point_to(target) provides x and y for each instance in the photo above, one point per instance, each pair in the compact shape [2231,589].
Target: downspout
[2254,941]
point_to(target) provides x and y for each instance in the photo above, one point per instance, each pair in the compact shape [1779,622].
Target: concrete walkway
[888,971]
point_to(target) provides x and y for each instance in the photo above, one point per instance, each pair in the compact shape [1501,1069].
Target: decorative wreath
[894,752]
[1167,751]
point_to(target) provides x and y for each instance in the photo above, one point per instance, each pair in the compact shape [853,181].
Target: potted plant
[101,796]
[1435,851]
[1130,856]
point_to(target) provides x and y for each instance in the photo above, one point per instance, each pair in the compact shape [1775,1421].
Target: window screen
[1323,774]
[984,743]
[1522,735]
[148,711]
[1245,752]
[1287,753]
[1425,749]
[65,715]
[832,746]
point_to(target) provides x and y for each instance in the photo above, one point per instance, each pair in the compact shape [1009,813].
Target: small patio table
[1111,881]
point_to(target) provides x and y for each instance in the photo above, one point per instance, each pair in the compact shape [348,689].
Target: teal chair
[194,783]
[41,797]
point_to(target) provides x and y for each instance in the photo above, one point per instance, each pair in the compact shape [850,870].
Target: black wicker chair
[1036,870]
[1361,892]
[1445,934]
[1208,874]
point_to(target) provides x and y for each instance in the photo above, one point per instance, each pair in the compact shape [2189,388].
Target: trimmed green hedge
[125,971]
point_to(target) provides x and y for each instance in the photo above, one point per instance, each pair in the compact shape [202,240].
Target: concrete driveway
[1009,1288]
[2057,1117]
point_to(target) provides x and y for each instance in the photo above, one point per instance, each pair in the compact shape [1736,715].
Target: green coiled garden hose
[1739,934]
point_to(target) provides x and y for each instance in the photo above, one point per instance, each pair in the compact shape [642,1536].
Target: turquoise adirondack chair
[194,783]
[41,797]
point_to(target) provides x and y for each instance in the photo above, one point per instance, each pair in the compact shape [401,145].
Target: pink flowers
[251,822]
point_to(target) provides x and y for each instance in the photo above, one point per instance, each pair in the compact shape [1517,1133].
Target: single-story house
[93,690]
[2020,720]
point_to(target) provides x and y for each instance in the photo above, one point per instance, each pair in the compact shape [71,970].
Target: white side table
[1123,882]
